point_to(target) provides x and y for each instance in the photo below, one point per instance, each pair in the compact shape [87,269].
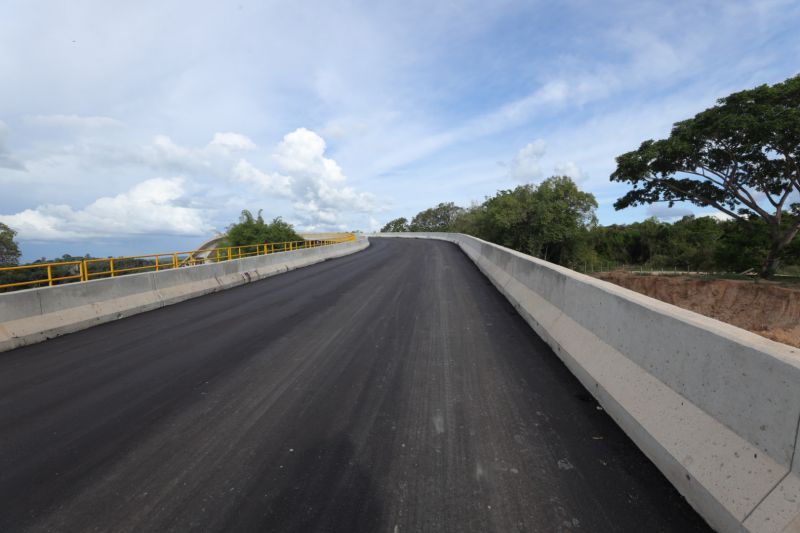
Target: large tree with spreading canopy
[741,156]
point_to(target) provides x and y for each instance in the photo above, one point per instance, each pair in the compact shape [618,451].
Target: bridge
[389,384]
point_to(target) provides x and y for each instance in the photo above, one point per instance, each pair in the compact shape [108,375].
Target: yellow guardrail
[88,269]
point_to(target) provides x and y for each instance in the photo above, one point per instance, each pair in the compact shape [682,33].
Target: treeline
[250,229]
[97,267]
[556,221]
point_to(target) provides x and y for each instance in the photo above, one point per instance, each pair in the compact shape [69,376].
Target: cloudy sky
[131,127]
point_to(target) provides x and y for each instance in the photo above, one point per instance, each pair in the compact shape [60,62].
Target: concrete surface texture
[390,390]
[717,408]
[34,315]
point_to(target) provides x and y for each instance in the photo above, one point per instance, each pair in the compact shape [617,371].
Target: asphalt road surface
[391,390]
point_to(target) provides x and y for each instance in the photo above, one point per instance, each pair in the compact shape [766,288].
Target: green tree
[9,250]
[550,220]
[253,230]
[396,225]
[741,157]
[439,218]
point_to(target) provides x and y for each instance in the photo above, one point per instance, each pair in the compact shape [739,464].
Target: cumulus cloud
[526,165]
[569,168]
[232,142]
[312,186]
[6,160]
[153,206]
[165,152]
[316,180]
[271,184]
[315,183]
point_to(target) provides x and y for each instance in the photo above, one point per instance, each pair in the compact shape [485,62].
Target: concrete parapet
[33,315]
[715,407]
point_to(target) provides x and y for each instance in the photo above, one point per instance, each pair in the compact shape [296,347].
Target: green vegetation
[249,230]
[556,221]
[438,218]
[397,225]
[692,243]
[741,157]
[253,230]
[9,250]
[551,220]
[23,275]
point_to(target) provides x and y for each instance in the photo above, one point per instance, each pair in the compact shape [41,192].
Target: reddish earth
[761,307]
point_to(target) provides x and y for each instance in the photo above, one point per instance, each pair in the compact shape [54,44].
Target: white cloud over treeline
[153,206]
[297,172]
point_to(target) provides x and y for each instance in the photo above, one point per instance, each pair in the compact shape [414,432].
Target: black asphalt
[391,390]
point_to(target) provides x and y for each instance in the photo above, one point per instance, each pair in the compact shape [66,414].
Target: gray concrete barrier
[716,408]
[33,315]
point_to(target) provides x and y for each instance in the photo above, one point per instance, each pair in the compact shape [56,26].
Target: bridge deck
[391,390]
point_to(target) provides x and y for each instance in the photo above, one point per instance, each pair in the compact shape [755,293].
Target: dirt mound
[760,307]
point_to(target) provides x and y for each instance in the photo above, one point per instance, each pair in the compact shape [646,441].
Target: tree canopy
[545,221]
[439,218]
[549,220]
[396,225]
[741,157]
[9,250]
[253,230]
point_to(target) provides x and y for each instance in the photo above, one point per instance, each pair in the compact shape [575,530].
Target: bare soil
[761,307]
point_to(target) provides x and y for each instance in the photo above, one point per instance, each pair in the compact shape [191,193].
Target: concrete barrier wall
[34,315]
[715,407]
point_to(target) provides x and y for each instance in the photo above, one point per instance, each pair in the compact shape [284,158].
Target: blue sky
[141,127]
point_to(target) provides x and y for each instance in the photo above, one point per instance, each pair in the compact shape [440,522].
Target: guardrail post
[156,263]
[84,273]
[50,275]
[174,260]
[111,265]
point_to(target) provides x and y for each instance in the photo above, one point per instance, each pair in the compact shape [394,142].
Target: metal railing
[94,268]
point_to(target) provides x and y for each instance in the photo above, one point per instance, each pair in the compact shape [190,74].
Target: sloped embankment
[763,308]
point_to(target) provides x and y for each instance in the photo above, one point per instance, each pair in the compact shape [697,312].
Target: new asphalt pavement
[391,390]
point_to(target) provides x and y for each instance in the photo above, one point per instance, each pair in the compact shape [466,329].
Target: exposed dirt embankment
[763,308]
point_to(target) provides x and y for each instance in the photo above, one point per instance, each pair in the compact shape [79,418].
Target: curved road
[392,390]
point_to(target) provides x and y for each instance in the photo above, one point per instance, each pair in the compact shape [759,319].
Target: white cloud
[719,215]
[232,141]
[525,166]
[272,184]
[569,168]
[164,154]
[316,180]
[301,153]
[151,207]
